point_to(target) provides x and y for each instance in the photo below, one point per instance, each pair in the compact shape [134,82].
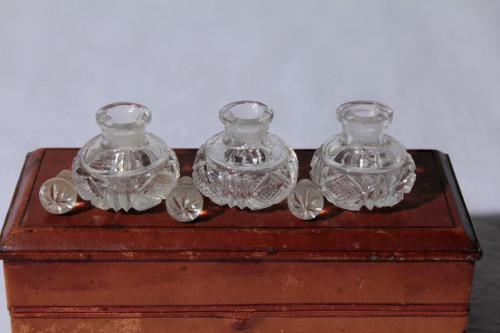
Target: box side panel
[389,324]
[222,283]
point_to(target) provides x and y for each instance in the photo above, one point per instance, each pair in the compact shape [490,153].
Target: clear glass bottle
[184,203]
[125,167]
[245,166]
[363,166]
[306,200]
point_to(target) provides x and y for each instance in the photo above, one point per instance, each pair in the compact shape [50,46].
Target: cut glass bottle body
[245,166]
[125,167]
[363,166]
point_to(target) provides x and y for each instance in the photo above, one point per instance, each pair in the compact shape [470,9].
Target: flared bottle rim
[364,111]
[123,116]
[246,112]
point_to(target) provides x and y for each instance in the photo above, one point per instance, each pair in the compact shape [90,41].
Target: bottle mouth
[246,113]
[364,112]
[123,116]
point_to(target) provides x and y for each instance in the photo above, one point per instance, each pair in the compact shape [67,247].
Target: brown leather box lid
[432,223]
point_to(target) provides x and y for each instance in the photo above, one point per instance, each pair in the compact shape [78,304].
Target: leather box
[408,268]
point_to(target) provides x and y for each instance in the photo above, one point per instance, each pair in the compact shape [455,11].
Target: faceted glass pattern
[245,166]
[184,203]
[306,200]
[125,167]
[363,166]
[58,195]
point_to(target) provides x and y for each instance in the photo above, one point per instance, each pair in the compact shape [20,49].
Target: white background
[436,63]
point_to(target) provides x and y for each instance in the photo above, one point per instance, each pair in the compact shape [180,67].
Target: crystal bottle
[184,203]
[58,195]
[246,165]
[306,200]
[125,167]
[363,166]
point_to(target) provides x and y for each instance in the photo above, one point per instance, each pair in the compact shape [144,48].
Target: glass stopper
[305,201]
[58,195]
[184,203]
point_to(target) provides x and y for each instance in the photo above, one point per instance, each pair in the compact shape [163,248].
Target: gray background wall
[436,63]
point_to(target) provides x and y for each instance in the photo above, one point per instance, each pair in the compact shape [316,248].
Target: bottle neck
[123,124]
[364,122]
[113,138]
[246,121]
[364,133]
[240,134]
